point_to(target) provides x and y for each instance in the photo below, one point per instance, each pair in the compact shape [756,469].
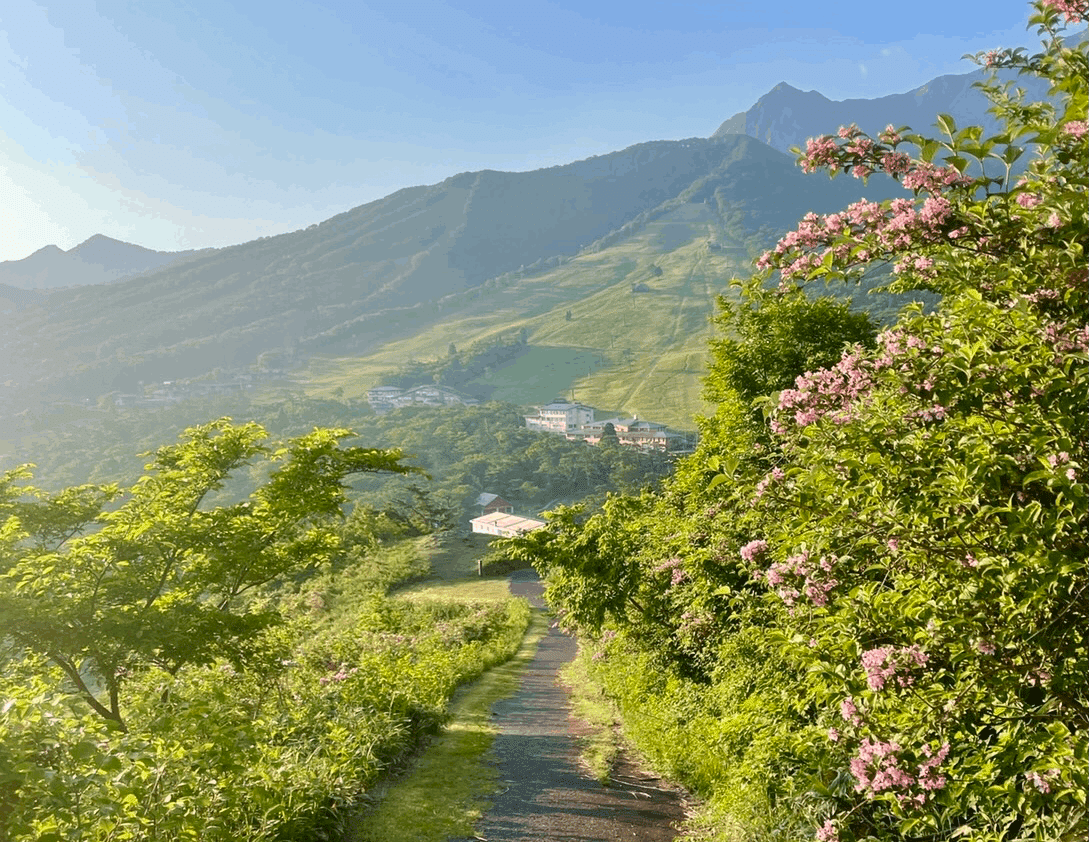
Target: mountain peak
[98,240]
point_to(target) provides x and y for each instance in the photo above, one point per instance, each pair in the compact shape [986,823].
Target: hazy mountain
[786,117]
[97,260]
[386,268]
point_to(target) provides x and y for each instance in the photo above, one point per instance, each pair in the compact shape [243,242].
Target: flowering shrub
[909,527]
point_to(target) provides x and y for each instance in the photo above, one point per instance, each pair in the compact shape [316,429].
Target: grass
[600,747]
[629,352]
[441,794]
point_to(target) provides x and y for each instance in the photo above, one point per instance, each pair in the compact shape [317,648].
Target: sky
[182,124]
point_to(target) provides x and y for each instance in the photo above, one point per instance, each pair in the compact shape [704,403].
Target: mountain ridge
[785,116]
[98,259]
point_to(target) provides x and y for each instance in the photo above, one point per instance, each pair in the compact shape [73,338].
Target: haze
[182,125]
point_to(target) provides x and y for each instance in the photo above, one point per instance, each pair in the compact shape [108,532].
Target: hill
[97,260]
[394,268]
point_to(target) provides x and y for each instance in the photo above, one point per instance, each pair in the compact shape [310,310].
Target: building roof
[512,523]
[562,406]
[487,498]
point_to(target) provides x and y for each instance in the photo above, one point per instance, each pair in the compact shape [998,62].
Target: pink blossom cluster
[865,229]
[1075,11]
[849,711]
[896,343]
[928,779]
[1077,128]
[887,662]
[820,152]
[692,622]
[668,564]
[812,577]
[830,392]
[889,135]
[342,674]
[827,832]
[1067,338]
[933,179]
[878,768]
[1042,780]
[775,475]
[753,549]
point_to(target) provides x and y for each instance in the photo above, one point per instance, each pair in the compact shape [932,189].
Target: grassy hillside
[636,352]
[425,257]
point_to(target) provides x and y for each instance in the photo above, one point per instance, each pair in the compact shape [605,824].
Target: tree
[158,581]
[909,529]
[609,437]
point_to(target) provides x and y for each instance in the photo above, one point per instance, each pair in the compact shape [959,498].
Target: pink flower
[1028,200]
[827,832]
[753,549]
[1073,10]
[1042,780]
[1077,128]
[885,662]
[890,135]
[849,711]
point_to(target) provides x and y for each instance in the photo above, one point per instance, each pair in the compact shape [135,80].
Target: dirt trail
[548,795]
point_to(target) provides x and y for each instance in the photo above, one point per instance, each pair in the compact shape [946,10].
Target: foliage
[280,747]
[158,581]
[904,536]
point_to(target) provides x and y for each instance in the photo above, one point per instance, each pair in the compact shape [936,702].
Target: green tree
[908,532]
[159,580]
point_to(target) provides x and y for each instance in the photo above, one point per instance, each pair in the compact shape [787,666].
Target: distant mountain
[97,260]
[388,268]
[786,117]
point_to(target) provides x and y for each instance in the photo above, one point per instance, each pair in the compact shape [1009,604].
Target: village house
[560,417]
[505,524]
[490,503]
[632,432]
[384,398]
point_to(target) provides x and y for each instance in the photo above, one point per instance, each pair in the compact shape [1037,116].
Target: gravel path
[548,795]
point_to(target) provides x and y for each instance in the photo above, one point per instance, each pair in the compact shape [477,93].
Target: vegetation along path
[547,794]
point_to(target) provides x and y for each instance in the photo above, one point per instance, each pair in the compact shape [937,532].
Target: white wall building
[560,417]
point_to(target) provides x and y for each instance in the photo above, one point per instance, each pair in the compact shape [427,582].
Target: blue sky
[189,123]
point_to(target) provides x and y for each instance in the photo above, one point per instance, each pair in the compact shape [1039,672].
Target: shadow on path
[547,794]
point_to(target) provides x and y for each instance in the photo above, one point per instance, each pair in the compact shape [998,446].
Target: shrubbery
[176,670]
[869,600]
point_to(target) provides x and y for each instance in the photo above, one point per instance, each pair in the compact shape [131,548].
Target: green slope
[636,352]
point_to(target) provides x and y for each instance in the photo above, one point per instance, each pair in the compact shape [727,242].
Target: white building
[505,525]
[560,417]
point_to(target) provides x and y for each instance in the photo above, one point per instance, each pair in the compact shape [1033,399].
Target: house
[381,398]
[560,416]
[505,525]
[633,432]
[493,503]
[384,398]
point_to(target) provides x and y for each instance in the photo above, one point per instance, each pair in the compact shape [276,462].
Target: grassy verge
[444,790]
[600,747]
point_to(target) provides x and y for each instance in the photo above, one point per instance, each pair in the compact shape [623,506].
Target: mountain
[97,260]
[786,117]
[392,267]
